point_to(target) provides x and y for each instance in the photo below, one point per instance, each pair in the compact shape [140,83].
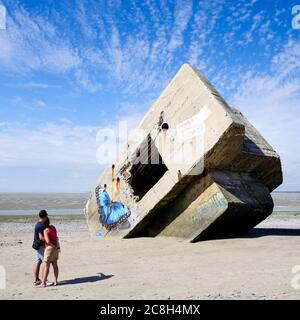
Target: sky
[71,68]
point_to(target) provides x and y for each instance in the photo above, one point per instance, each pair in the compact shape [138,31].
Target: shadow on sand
[98,277]
[262,232]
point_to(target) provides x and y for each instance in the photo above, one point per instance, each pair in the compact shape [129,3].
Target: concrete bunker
[223,189]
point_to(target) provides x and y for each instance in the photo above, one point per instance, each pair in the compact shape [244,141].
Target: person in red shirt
[51,254]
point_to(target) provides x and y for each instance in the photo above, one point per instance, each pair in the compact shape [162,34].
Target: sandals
[47,284]
[37,282]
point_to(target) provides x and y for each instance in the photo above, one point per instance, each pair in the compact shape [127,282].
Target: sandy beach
[257,265]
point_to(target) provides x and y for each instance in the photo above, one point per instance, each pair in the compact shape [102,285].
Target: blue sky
[70,68]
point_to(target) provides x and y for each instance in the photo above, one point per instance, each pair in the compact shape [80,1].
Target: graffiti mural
[217,203]
[111,213]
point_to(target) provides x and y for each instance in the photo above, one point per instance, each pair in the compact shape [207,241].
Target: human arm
[58,244]
[41,236]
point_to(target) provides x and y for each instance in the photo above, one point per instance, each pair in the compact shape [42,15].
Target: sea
[72,204]
[29,204]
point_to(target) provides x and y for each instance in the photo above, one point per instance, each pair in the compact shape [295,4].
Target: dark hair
[47,222]
[43,213]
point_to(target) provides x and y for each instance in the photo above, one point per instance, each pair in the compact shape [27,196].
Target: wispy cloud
[136,61]
[86,81]
[32,85]
[271,102]
[51,158]
[49,145]
[132,51]
[129,51]
[32,43]
[40,104]
[182,16]
[58,156]
[57,144]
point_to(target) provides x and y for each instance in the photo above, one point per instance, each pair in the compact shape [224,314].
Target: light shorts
[51,254]
[39,255]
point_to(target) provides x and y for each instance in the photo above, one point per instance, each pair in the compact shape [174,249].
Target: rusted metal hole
[165,126]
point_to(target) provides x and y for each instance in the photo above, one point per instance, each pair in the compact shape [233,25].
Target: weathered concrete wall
[218,142]
[220,203]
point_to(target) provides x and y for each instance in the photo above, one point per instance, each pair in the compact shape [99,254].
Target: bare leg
[56,271]
[46,273]
[37,271]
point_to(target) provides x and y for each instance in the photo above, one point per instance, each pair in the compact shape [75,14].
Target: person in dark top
[39,245]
